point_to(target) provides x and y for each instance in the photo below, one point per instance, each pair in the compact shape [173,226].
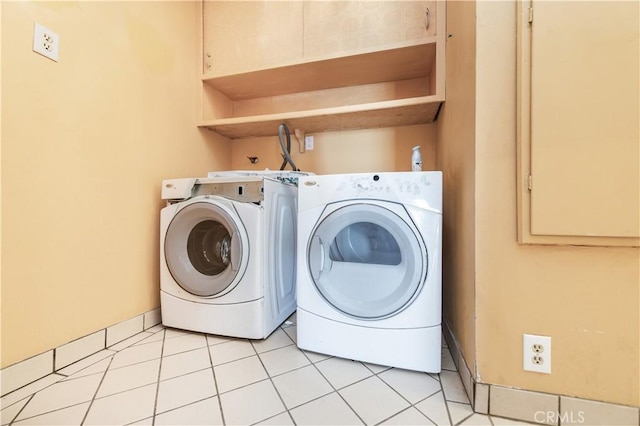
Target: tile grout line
[155,402]
[21,410]
[82,359]
[311,400]
[134,363]
[271,379]
[386,419]
[293,324]
[424,399]
[489,403]
[125,391]
[30,383]
[229,362]
[200,370]
[33,394]
[446,405]
[274,416]
[175,408]
[50,411]
[215,380]
[336,390]
[411,405]
[280,374]
[53,359]
[394,389]
[444,399]
[95,394]
[490,419]
[287,372]
[465,418]
[136,343]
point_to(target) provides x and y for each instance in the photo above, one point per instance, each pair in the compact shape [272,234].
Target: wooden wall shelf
[365,116]
[389,85]
[397,62]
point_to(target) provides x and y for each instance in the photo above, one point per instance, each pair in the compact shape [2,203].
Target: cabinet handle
[427,19]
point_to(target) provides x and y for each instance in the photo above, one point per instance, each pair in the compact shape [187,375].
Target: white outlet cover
[528,340]
[308,143]
[46,42]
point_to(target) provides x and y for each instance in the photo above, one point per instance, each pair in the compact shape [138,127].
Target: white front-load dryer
[227,255]
[369,267]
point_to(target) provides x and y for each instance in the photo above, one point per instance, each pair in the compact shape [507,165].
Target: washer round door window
[203,249]
[366,261]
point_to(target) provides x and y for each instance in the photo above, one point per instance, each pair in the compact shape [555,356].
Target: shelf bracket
[300,137]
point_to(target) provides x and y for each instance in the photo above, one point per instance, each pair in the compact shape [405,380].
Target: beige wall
[369,150]
[495,290]
[586,298]
[85,145]
[456,157]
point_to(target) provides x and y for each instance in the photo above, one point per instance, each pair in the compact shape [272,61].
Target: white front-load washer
[369,267]
[227,253]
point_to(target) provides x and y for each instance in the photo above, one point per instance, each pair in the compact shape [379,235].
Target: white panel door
[585,140]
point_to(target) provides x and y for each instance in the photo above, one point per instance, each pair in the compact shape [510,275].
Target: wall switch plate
[308,143]
[45,42]
[536,353]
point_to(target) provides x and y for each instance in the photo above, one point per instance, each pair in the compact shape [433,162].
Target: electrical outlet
[45,42]
[536,353]
[308,143]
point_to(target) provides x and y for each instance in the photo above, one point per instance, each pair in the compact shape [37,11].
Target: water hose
[286,150]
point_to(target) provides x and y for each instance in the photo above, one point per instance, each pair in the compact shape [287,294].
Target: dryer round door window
[366,261]
[203,249]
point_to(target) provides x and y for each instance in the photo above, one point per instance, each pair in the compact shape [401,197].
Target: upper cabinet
[319,66]
[241,36]
[335,27]
[579,138]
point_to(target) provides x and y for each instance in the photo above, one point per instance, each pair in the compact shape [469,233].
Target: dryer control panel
[250,191]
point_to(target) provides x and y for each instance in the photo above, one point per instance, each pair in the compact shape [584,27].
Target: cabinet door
[584,132]
[246,35]
[334,27]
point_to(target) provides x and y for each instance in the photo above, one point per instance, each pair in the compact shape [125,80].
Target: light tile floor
[165,376]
